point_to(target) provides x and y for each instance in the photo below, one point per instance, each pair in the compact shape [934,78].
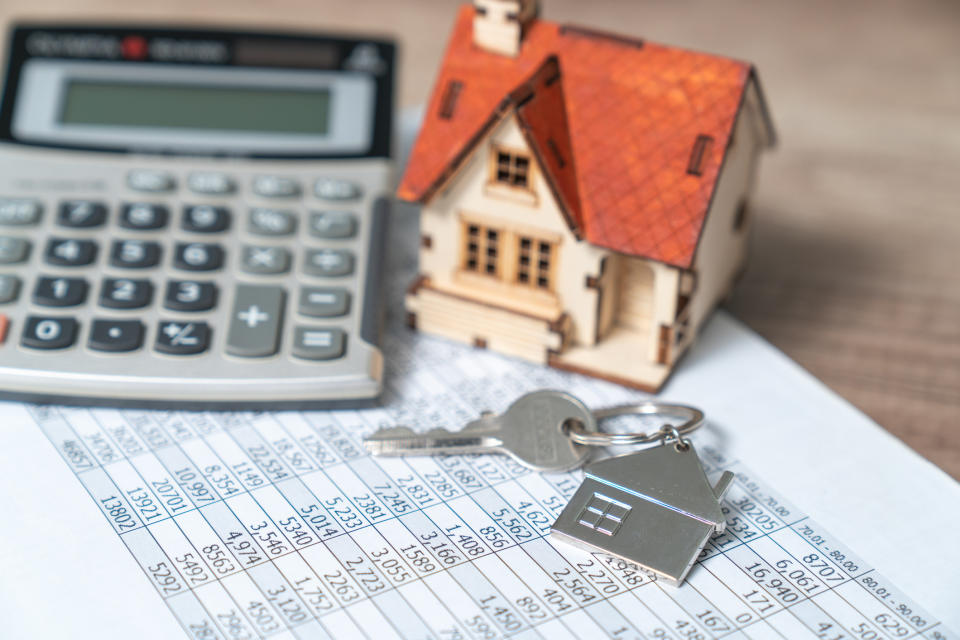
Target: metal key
[533,431]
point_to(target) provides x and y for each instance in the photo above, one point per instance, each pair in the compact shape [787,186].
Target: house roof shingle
[633,113]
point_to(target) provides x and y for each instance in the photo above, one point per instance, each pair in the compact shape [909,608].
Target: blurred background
[855,266]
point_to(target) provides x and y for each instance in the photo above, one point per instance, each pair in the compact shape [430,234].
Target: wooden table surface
[856,242]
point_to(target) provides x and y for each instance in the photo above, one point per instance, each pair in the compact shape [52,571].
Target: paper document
[139,524]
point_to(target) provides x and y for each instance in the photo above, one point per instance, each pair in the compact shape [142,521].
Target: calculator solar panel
[192,218]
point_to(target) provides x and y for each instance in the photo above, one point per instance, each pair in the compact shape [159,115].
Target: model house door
[636,295]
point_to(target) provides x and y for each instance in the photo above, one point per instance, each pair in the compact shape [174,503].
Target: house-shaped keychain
[584,193]
[654,508]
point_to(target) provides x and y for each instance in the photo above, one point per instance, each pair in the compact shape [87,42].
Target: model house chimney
[499,25]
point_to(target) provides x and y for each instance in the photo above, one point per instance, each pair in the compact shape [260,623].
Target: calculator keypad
[237,274]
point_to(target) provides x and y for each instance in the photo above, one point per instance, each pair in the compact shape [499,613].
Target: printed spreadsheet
[279,525]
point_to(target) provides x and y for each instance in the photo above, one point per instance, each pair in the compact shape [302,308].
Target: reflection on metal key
[533,431]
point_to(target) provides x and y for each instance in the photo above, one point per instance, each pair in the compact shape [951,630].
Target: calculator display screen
[192,106]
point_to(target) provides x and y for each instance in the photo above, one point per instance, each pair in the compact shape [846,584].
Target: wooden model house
[584,194]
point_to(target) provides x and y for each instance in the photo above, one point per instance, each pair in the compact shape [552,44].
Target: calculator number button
[333,224]
[115,336]
[189,295]
[265,260]
[318,302]
[81,214]
[134,254]
[16,212]
[70,253]
[41,332]
[271,222]
[9,288]
[205,219]
[333,189]
[198,256]
[60,292]
[124,293]
[182,338]
[13,250]
[328,263]
[211,184]
[143,216]
[255,321]
[275,187]
[319,344]
[151,181]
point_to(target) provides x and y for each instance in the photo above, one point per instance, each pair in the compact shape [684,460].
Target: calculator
[193,218]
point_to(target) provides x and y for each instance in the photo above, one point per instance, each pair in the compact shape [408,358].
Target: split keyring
[666,434]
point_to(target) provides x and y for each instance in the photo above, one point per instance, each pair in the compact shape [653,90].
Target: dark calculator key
[182,338]
[144,216]
[265,260]
[328,263]
[125,293]
[205,219]
[14,250]
[333,224]
[190,295]
[134,254]
[115,335]
[198,256]
[41,332]
[311,343]
[271,222]
[81,214]
[60,292]
[68,252]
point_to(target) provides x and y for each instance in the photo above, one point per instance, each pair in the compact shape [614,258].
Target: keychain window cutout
[604,514]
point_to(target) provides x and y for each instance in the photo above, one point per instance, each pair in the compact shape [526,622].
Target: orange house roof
[631,135]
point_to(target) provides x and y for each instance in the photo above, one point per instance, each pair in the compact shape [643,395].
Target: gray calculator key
[9,288]
[265,260]
[334,189]
[67,252]
[323,302]
[203,218]
[143,216]
[15,212]
[211,183]
[60,292]
[81,214]
[328,263]
[275,187]
[255,321]
[42,332]
[333,224]
[151,181]
[13,250]
[271,222]
[312,343]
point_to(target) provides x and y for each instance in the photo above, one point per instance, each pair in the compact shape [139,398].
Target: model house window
[534,258]
[482,250]
[512,169]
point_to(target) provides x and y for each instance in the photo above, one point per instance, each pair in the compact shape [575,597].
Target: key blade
[477,437]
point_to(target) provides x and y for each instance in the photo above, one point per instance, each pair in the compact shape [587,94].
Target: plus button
[253,316]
